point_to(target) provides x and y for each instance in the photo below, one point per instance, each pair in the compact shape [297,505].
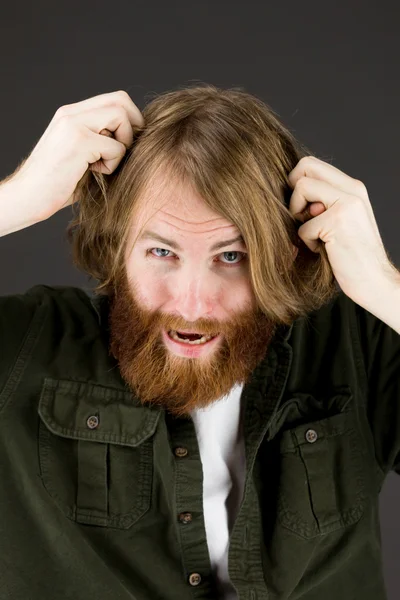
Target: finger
[111,118]
[313,190]
[310,233]
[106,153]
[315,209]
[310,166]
[312,210]
[120,97]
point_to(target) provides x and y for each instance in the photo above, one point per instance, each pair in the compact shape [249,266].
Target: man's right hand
[78,138]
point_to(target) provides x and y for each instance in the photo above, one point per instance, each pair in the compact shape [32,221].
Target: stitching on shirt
[26,349]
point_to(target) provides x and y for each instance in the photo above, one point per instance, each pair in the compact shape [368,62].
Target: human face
[188,277]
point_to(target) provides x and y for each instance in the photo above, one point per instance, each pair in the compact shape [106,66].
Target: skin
[197,285]
[194,290]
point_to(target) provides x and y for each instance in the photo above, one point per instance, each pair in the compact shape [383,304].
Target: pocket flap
[324,428]
[65,407]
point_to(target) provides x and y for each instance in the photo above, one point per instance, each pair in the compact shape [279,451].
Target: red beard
[179,384]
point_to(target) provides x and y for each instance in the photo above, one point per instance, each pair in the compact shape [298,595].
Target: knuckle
[118,116]
[122,150]
[356,203]
[305,160]
[302,183]
[122,95]
[61,111]
[65,120]
[120,111]
[118,107]
[360,187]
[308,164]
[67,125]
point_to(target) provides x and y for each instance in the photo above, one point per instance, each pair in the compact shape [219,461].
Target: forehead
[178,205]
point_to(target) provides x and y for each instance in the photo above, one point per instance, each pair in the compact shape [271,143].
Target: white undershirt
[220,438]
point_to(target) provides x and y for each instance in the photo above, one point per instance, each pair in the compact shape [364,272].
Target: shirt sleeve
[380,347]
[19,323]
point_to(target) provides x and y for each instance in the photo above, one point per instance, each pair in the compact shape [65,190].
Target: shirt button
[311,436]
[195,579]
[181,452]
[92,422]
[185,517]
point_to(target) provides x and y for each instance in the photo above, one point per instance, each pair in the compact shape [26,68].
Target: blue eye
[230,254]
[230,261]
[163,249]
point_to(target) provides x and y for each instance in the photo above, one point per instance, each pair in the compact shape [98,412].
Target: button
[311,436]
[92,422]
[181,452]
[195,579]
[185,517]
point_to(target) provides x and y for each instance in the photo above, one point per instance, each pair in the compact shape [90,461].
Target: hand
[80,136]
[336,211]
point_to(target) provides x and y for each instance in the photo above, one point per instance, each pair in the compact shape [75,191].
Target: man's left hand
[340,216]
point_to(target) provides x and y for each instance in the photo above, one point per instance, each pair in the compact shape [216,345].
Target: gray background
[331,71]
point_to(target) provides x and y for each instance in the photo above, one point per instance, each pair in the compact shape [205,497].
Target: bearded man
[218,419]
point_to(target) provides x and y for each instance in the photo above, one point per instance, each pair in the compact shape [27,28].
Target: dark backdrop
[330,70]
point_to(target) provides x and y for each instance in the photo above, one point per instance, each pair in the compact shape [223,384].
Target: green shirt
[101,497]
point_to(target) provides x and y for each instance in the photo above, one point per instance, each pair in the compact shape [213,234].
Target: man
[220,421]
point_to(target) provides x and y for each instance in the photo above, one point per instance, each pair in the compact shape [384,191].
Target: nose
[194,294]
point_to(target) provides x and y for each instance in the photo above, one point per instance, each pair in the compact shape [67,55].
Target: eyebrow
[152,235]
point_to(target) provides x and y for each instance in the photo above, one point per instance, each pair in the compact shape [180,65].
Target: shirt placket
[261,396]
[190,523]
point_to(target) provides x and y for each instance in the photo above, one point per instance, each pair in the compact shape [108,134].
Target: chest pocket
[321,483]
[96,452]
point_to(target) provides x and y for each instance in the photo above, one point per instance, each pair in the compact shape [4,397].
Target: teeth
[202,340]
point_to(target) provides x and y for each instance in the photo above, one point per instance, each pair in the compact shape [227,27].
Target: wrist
[385,302]
[17,210]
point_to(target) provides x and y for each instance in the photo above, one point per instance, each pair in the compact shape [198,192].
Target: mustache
[156,320]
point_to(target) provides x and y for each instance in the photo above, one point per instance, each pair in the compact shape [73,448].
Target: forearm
[17,210]
[385,304]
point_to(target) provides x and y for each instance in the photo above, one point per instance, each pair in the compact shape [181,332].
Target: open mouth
[191,339]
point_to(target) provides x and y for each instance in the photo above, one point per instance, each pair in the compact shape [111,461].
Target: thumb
[316,208]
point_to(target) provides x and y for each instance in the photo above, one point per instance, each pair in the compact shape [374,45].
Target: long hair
[236,153]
